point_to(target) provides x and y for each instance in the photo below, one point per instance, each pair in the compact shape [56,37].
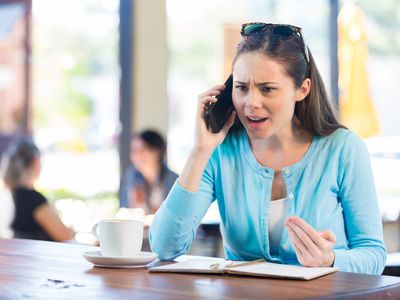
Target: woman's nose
[254,101]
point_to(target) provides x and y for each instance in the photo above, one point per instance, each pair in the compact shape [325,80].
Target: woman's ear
[303,90]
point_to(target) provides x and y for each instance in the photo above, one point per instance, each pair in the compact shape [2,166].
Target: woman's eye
[266,89]
[242,88]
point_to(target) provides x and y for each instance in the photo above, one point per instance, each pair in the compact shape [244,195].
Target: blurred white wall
[150,66]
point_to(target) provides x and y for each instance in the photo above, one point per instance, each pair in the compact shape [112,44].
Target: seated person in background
[34,217]
[148,180]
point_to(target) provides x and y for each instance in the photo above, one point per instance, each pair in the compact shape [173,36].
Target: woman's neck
[152,173]
[283,149]
[27,183]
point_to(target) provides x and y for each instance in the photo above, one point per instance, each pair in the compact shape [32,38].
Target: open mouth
[253,120]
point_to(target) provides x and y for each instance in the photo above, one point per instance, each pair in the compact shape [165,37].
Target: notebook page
[280,270]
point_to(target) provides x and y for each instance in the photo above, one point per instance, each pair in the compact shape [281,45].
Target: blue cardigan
[331,187]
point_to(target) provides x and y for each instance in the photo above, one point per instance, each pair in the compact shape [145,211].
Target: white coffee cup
[119,238]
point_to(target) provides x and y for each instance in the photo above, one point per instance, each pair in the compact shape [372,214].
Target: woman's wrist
[201,152]
[331,259]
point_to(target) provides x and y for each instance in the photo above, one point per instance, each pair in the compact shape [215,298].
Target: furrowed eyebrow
[261,83]
[266,83]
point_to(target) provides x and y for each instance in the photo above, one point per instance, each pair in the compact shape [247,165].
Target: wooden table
[46,270]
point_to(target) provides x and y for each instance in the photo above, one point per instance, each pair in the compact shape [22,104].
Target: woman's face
[143,156]
[264,96]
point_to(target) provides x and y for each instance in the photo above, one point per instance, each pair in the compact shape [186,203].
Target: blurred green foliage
[383,22]
[66,60]
[53,195]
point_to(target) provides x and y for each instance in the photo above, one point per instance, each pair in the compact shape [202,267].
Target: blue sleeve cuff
[342,259]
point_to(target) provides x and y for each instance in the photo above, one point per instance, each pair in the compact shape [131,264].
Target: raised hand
[313,248]
[205,140]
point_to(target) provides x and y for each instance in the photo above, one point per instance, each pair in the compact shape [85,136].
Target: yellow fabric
[355,105]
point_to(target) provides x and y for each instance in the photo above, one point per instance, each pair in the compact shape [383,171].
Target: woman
[293,186]
[34,217]
[148,180]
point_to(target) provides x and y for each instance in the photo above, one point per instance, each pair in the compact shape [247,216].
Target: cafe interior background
[81,75]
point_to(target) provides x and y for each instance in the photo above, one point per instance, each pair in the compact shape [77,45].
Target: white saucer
[136,261]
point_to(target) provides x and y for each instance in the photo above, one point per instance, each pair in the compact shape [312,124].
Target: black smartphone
[217,113]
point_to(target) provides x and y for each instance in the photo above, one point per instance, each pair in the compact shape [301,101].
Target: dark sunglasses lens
[252,28]
[283,30]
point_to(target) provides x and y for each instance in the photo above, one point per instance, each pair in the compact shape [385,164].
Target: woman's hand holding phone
[205,141]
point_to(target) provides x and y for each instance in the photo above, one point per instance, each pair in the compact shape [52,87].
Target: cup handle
[95,229]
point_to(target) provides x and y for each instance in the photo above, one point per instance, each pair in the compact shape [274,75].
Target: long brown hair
[315,113]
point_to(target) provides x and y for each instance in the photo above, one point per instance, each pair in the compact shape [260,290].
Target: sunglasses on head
[284,30]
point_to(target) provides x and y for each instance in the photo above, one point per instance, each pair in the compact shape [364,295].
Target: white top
[276,220]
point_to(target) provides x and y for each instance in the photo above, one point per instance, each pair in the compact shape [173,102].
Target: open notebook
[259,268]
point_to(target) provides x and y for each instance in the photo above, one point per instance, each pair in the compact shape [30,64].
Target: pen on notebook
[231,264]
[247,263]
[226,263]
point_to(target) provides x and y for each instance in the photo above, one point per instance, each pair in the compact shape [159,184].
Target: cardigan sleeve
[174,225]
[366,251]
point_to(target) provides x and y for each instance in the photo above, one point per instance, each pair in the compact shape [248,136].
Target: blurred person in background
[148,180]
[34,218]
